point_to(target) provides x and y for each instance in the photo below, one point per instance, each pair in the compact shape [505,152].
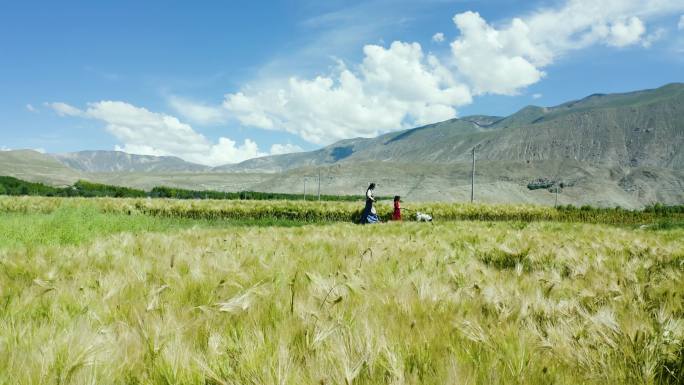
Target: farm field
[316,212]
[168,292]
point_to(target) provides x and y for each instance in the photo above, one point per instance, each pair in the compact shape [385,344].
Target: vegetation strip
[17,187]
[342,211]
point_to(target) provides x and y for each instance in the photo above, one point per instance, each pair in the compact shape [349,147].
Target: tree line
[17,187]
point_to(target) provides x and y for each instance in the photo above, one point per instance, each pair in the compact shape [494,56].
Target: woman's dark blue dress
[367,216]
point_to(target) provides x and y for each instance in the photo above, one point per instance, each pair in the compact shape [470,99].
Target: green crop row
[339,211]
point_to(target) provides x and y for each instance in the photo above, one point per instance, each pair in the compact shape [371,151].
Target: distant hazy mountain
[643,128]
[116,161]
[36,167]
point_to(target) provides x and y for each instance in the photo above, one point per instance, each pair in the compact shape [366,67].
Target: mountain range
[643,128]
[612,149]
[117,161]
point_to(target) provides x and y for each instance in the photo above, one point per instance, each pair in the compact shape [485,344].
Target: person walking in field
[396,214]
[369,214]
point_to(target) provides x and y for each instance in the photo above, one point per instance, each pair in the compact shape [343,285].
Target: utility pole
[319,184]
[472,179]
[556,204]
[304,188]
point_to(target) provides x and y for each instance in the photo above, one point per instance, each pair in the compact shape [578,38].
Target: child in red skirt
[396,215]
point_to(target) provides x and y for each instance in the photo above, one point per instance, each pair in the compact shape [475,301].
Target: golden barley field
[99,296]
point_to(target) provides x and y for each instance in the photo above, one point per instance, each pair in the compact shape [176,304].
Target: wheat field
[458,302]
[308,211]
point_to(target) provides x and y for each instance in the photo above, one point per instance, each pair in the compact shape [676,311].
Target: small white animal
[422,217]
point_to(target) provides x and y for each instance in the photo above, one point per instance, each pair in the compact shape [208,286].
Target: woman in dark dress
[369,215]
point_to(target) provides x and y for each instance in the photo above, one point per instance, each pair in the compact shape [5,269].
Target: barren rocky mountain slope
[117,161]
[643,128]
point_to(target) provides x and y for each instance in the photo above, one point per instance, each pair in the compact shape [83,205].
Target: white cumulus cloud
[197,112]
[63,109]
[506,58]
[494,61]
[31,108]
[149,133]
[438,37]
[652,37]
[627,32]
[394,87]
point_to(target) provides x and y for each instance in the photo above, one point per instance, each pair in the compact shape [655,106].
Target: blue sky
[217,82]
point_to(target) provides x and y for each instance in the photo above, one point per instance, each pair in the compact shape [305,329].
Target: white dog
[422,217]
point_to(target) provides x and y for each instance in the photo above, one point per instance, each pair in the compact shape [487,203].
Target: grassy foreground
[76,224]
[457,302]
